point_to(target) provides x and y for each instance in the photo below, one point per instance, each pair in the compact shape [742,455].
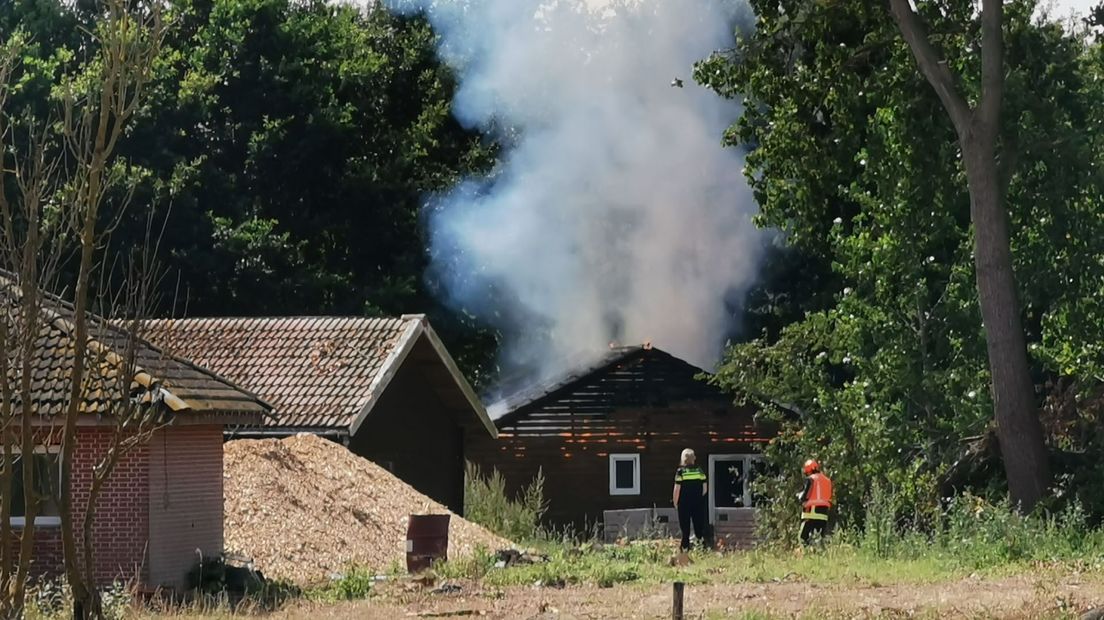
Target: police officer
[688,496]
[816,501]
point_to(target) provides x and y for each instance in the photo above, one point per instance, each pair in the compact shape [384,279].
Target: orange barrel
[426,541]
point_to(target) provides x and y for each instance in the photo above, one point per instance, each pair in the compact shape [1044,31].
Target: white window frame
[613,460]
[39,520]
[746,460]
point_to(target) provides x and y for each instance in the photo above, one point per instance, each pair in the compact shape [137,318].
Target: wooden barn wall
[412,434]
[652,407]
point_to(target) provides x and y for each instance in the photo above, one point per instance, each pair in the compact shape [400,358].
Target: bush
[880,529]
[486,503]
[985,534]
[474,566]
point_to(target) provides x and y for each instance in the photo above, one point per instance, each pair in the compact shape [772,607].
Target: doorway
[729,483]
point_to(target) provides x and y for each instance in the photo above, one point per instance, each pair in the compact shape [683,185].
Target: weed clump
[355,584]
[487,503]
[972,533]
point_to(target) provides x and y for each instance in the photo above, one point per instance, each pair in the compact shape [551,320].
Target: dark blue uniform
[691,505]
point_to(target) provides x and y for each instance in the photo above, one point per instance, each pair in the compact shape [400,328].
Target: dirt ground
[1049,596]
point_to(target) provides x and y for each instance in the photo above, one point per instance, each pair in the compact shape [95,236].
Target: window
[47,474]
[624,476]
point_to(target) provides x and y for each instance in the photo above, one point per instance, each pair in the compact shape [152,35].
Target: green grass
[971,539]
[967,535]
[650,563]
[355,584]
[974,538]
[644,565]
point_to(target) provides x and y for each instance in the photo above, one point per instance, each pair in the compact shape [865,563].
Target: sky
[1081,6]
[1078,5]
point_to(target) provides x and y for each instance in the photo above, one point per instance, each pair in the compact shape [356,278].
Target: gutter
[255,433]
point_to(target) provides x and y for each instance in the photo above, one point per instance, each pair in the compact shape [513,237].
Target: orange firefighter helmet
[810,467]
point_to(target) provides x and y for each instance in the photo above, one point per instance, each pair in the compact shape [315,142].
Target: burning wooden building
[608,435]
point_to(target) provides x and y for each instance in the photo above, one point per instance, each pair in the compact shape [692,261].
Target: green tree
[288,146]
[298,140]
[987,163]
[857,162]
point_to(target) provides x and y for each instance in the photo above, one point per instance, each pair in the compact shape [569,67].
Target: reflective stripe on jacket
[691,473]
[820,493]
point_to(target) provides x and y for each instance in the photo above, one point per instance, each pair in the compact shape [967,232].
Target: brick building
[163,505]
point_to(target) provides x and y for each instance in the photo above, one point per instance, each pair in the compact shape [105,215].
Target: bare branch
[93,123]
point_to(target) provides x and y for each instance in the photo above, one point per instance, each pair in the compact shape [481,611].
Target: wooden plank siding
[414,435]
[647,403]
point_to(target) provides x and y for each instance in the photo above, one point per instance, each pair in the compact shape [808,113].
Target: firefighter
[816,501]
[688,496]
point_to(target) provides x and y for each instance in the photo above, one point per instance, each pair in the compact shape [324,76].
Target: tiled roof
[317,372]
[184,387]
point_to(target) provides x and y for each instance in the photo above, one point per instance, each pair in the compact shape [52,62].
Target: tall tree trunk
[1018,428]
[978,128]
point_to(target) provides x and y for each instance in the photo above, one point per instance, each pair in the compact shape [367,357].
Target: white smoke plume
[616,213]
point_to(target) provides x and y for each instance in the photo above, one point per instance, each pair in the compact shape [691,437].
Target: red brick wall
[46,559]
[120,529]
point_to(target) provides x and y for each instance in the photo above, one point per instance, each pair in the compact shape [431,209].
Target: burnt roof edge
[575,377]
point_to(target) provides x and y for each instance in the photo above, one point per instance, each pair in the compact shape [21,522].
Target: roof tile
[315,371]
[108,343]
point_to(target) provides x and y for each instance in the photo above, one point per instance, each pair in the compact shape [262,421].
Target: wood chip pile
[306,509]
